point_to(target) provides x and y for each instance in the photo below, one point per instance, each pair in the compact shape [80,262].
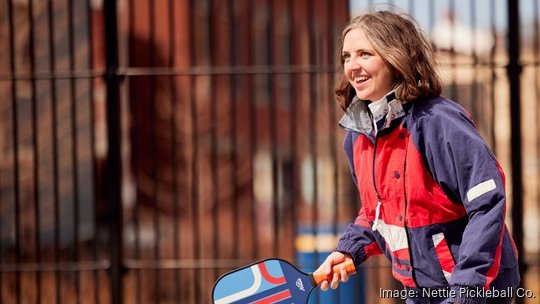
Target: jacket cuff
[353,248]
[467,295]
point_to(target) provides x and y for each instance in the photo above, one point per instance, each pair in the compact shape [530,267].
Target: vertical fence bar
[173,130]
[35,151]
[431,16]
[474,90]
[154,147]
[74,142]
[90,63]
[195,152]
[293,119]
[332,125]
[212,34]
[493,80]
[1,249]
[113,165]
[233,61]
[313,108]
[453,62]
[253,127]
[133,55]
[514,69]
[54,131]
[15,135]
[276,214]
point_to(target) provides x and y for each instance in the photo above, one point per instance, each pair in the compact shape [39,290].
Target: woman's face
[369,75]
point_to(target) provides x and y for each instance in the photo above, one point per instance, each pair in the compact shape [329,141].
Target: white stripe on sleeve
[480,189]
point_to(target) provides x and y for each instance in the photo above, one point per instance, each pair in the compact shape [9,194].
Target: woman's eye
[364,54]
[345,57]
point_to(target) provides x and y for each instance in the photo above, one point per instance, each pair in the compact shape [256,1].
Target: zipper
[379,200]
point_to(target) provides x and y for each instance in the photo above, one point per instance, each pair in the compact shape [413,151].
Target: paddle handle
[348,265]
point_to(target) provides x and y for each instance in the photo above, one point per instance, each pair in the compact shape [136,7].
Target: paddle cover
[268,281]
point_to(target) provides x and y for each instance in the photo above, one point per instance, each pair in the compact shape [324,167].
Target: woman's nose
[354,65]
[354,62]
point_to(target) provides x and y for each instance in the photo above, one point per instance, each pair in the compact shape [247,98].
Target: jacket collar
[359,116]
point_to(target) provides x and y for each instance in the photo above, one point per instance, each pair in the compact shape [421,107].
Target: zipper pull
[377,214]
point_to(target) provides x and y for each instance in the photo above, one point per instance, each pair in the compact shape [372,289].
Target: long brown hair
[400,42]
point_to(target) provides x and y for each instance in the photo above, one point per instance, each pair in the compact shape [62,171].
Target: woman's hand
[326,267]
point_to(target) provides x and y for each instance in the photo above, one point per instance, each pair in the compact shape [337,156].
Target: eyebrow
[356,51]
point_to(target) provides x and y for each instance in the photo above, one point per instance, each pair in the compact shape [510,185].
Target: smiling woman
[433,194]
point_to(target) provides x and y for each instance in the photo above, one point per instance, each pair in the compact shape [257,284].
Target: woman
[433,196]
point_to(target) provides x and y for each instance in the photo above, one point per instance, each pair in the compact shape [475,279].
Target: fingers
[335,281]
[337,278]
[344,275]
[324,286]
[326,267]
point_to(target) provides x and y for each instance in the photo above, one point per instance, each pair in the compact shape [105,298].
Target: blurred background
[148,147]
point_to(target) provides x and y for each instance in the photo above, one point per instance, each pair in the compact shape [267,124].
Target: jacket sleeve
[467,170]
[358,240]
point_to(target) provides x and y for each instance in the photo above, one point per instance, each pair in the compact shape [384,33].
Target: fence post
[514,72]
[113,165]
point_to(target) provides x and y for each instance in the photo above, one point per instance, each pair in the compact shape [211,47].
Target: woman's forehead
[356,38]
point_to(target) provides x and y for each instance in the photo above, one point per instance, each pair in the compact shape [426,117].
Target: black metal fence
[147,147]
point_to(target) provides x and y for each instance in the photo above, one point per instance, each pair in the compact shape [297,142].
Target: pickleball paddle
[271,281]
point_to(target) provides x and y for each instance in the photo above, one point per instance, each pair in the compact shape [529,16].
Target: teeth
[361,78]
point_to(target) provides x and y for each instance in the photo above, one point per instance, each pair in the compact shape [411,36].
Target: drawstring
[377,213]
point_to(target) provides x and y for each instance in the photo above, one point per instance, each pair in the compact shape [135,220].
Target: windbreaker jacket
[433,199]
